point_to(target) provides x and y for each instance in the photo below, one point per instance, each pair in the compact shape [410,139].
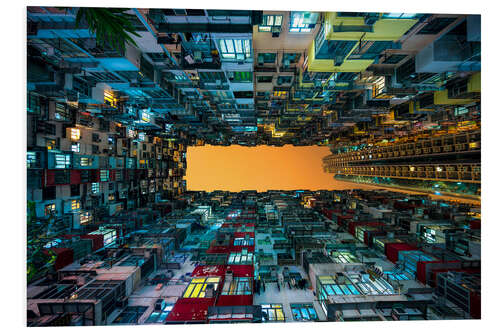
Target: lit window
[198,286]
[75,204]
[239,286]
[243,242]
[62,161]
[75,134]
[95,188]
[85,217]
[272,312]
[270,21]
[302,21]
[75,147]
[50,144]
[50,209]
[145,117]
[31,160]
[109,98]
[240,259]
[399,15]
[104,175]
[84,161]
[303,312]
[238,49]
[61,112]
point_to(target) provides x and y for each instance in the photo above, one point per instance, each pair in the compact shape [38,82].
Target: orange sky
[237,168]
[260,168]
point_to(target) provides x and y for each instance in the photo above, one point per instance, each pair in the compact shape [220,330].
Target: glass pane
[278,20]
[229,45]
[305,314]
[296,313]
[222,46]
[238,46]
[270,20]
[279,314]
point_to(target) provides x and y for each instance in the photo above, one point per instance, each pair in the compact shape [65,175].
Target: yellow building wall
[326,65]
[383,29]
[441,98]
[474,83]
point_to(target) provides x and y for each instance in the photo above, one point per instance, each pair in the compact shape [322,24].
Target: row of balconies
[455,143]
[446,172]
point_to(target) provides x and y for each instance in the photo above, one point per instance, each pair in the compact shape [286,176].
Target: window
[239,286]
[280,93]
[284,80]
[291,58]
[160,316]
[85,217]
[240,259]
[303,312]
[95,188]
[198,285]
[95,149]
[31,159]
[95,137]
[272,312]
[75,147]
[110,99]
[267,58]
[75,190]
[399,15]
[75,204]
[34,104]
[63,161]
[243,94]
[270,21]
[50,209]
[239,77]
[238,49]
[51,144]
[302,21]
[61,112]
[61,177]
[84,161]
[264,78]
[243,242]
[75,134]
[104,175]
